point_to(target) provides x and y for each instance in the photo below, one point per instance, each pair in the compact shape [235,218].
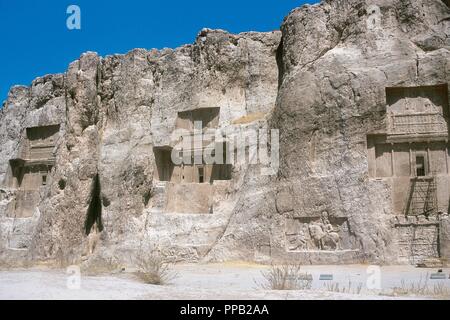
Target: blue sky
[36,41]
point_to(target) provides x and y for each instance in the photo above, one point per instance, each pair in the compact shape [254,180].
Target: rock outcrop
[358,90]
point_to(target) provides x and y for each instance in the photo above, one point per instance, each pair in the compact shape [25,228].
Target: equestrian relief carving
[317,233]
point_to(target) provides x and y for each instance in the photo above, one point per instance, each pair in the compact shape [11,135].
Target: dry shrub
[422,288]
[286,277]
[335,287]
[440,290]
[153,268]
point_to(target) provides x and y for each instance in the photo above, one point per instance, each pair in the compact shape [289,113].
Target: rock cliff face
[357,89]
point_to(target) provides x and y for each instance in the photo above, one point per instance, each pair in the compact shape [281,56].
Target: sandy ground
[210,281]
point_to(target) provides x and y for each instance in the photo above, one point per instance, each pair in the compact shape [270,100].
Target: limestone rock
[85,155]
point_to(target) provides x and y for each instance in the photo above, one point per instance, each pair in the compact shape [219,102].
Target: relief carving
[312,234]
[417,110]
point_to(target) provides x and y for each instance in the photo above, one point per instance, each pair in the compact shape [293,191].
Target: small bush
[62,184]
[440,290]
[335,287]
[422,288]
[153,268]
[286,277]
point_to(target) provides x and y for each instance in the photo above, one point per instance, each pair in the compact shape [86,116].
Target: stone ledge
[415,220]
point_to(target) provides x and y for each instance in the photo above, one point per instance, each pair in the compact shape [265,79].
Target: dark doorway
[164,163]
[201,175]
[420,166]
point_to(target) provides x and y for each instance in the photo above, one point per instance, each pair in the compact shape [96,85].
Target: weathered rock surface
[321,81]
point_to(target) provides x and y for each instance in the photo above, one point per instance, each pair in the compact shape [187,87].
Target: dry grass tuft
[286,277]
[335,287]
[153,268]
[422,288]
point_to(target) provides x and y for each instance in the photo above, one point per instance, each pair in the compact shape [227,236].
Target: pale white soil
[209,281]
